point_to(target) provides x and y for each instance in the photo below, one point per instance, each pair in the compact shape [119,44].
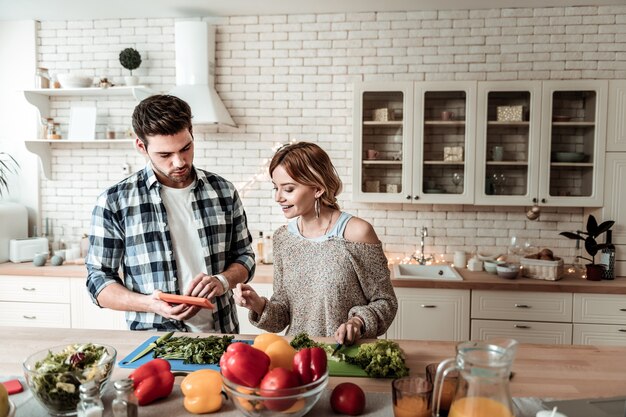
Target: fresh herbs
[381,359]
[56,377]
[196,350]
[302,340]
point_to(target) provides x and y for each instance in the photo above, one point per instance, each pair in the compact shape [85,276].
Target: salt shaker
[90,404]
[125,403]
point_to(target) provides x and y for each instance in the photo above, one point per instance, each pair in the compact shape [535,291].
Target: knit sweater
[320,285]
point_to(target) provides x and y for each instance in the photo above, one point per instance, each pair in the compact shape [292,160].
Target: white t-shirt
[187,247]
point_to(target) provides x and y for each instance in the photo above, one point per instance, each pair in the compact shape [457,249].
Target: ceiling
[107,9]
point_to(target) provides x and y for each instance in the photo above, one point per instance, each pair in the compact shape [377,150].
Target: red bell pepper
[310,364]
[244,365]
[153,380]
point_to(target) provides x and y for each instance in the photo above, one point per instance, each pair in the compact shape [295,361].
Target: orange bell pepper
[279,350]
[203,391]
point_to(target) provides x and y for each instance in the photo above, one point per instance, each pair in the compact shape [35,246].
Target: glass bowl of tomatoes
[264,402]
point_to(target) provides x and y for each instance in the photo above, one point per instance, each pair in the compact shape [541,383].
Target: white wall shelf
[40,98]
[42,148]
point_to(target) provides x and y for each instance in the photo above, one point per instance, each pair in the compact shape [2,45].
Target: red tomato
[273,382]
[348,398]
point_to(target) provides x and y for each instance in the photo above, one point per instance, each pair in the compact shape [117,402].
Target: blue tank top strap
[340,225]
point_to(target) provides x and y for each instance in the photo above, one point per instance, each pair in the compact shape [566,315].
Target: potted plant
[131,60]
[594,271]
[8,165]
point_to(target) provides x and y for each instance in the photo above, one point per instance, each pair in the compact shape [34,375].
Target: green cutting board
[342,368]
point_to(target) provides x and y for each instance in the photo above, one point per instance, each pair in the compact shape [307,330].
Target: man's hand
[205,286]
[171,311]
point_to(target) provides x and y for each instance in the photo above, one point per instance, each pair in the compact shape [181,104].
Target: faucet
[422,259]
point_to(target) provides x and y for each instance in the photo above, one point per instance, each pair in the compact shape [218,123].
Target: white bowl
[74,81]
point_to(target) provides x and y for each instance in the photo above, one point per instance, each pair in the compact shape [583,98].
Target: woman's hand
[350,331]
[245,296]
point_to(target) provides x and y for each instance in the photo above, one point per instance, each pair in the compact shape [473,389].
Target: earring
[317,208]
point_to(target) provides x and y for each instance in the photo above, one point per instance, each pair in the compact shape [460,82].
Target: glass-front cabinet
[413,142]
[540,142]
[443,169]
[383,141]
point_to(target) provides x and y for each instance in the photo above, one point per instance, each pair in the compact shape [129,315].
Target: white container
[475,265]
[13,225]
[459,259]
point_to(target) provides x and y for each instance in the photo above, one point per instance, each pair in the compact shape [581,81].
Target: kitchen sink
[432,272]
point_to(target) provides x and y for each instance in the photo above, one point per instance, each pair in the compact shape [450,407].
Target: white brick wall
[290,76]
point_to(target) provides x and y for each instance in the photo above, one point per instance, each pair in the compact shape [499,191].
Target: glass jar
[54,130]
[125,403]
[90,404]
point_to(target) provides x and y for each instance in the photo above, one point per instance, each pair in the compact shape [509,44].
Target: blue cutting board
[334,368]
[177,364]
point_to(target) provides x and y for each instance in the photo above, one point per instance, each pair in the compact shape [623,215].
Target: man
[171,227]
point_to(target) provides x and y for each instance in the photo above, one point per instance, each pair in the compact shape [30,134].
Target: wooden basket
[540,269]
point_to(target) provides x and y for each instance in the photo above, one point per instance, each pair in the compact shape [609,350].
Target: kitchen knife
[151,346]
[337,348]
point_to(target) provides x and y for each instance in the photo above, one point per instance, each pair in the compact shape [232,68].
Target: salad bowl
[55,374]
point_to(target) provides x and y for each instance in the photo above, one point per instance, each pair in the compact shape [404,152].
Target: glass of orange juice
[411,397]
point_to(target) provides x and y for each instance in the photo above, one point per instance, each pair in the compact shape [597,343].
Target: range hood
[195,73]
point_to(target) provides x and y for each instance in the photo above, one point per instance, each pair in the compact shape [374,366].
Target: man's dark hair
[161,114]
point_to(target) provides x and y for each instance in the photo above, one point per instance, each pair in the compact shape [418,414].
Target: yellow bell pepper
[278,349]
[203,391]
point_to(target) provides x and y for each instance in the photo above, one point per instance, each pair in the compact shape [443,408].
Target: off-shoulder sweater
[319,285]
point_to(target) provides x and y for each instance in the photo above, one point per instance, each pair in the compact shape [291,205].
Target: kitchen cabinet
[431,314]
[61,302]
[35,301]
[616,123]
[413,142]
[528,317]
[551,141]
[40,98]
[87,315]
[599,319]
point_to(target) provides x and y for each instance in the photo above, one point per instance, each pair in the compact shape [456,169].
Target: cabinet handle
[417,197]
[621,330]
[408,197]
[428,306]
[29,289]
[543,200]
[522,306]
[521,326]
[535,200]
[622,309]
[30,317]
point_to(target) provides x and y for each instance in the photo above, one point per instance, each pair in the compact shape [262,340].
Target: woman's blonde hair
[309,165]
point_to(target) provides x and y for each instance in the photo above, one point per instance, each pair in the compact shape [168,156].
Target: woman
[330,272]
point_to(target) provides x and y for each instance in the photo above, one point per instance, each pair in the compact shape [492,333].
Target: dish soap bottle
[607,258]
[259,248]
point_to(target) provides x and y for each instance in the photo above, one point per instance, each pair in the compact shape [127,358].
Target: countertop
[471,280]
[556,371]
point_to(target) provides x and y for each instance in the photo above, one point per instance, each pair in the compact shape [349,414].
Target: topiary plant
[130,59]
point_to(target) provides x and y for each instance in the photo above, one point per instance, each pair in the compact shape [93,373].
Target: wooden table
[562,372]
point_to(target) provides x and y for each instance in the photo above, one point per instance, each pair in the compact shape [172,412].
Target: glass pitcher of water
[483,386]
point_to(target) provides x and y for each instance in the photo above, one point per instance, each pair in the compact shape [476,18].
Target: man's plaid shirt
[129,228]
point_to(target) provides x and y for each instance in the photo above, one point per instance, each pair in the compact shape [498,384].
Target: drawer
[523,331]
[34,289]
[519,305]
[35,314]
[599,334]
[600,308]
